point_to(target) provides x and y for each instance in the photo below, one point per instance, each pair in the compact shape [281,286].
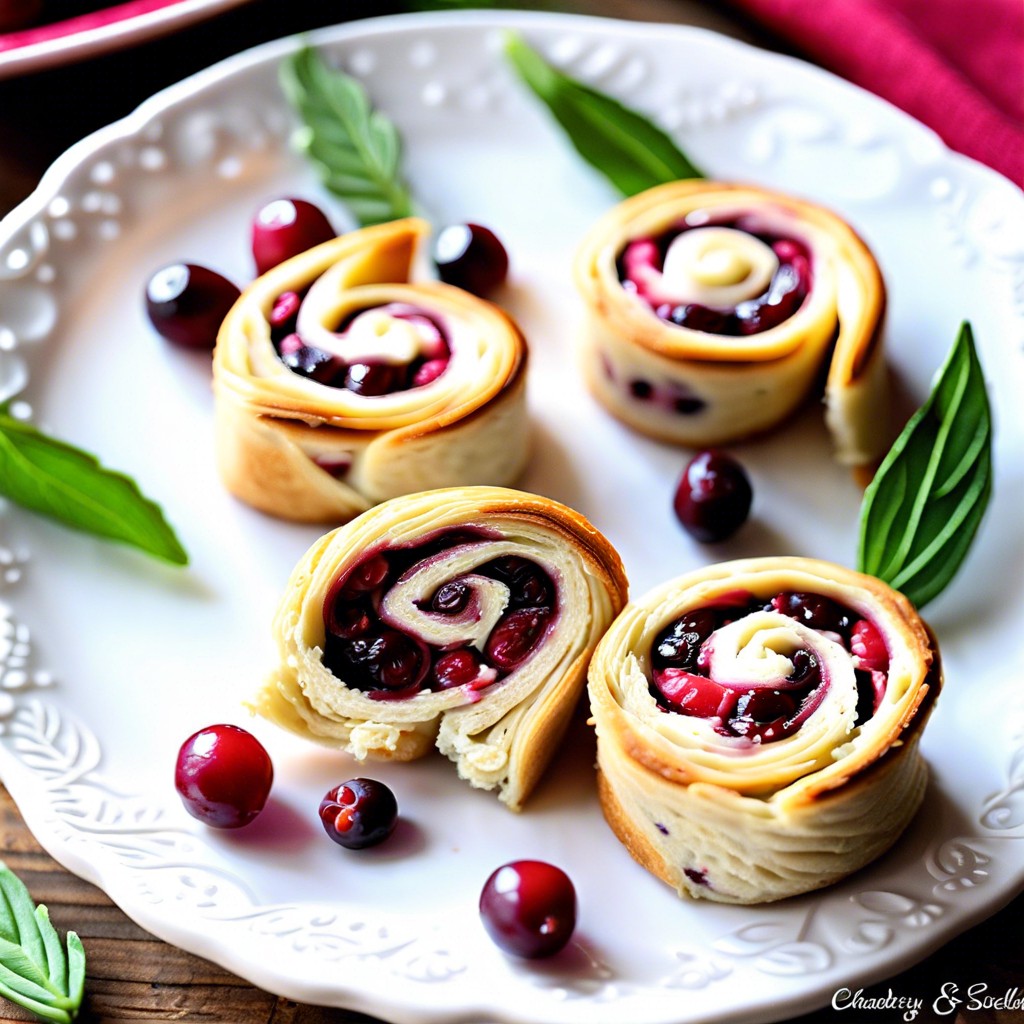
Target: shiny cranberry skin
[223,775]
[471,257]
[359,813]
[308,360]
[187,303]
[364,577]
[457,668]
[375,379]
[679,644]
[451,598]
[691,694]
[713,498]
[813,610]
[528,908]
[762,713]
[515,636]
[284,228]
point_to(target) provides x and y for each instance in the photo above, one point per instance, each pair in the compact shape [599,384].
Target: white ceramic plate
[110,660]
[45,45]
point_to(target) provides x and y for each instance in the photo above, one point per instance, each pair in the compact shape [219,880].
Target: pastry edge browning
[547,709]
[753,384]
[266,444]
[793,830]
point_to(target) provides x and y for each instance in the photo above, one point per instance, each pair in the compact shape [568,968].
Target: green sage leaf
[923,508]
[355,149]
[628,149]
[67,484]
[35,973]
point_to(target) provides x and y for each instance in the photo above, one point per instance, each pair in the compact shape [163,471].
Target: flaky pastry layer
[731,387]
[499,736]
[281,436]
[718,817]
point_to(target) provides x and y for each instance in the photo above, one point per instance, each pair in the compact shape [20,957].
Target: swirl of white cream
[756,651]
[716,266]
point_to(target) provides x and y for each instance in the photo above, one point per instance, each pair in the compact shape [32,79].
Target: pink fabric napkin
[956,65]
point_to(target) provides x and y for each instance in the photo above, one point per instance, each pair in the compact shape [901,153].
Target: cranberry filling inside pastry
[683,681]
[732,277]
[490,630]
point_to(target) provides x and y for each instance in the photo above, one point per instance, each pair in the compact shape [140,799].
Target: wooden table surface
[131,975]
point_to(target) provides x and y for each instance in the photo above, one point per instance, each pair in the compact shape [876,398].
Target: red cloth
[956,65]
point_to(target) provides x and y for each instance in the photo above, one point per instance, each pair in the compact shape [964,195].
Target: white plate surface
[126,24]
[111,660]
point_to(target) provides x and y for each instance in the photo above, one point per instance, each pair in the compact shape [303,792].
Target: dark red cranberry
[284,228]
[528,908]
[867,645]
[805,668]
[364,576]
[375,379]
[784,297]
[813,610]
[187,303]
[699,318]
[515,636]
[359,813]
[223,775]
[529,585]
[389,661]
[309,361]
[713,497]
[457,668]
[395,660]
[451,598]
[470,256]
[679,643]
[762,713]
[349,621]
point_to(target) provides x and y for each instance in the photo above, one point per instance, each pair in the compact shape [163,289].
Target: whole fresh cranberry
[471,257]
[284,228]
[528,908]
[223,775]
[186,304]
[359,813]
[713,498]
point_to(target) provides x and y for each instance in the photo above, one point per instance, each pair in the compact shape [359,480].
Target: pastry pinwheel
[758,726]
[713,310]
[340,383]
[462,618]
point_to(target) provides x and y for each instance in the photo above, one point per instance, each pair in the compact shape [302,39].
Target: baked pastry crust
[276,430]
[739,386]
[720,818]
[502,735]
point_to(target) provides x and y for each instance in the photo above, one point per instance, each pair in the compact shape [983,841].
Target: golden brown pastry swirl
[758,726]
[339,383]
[463,618]
[712,310]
